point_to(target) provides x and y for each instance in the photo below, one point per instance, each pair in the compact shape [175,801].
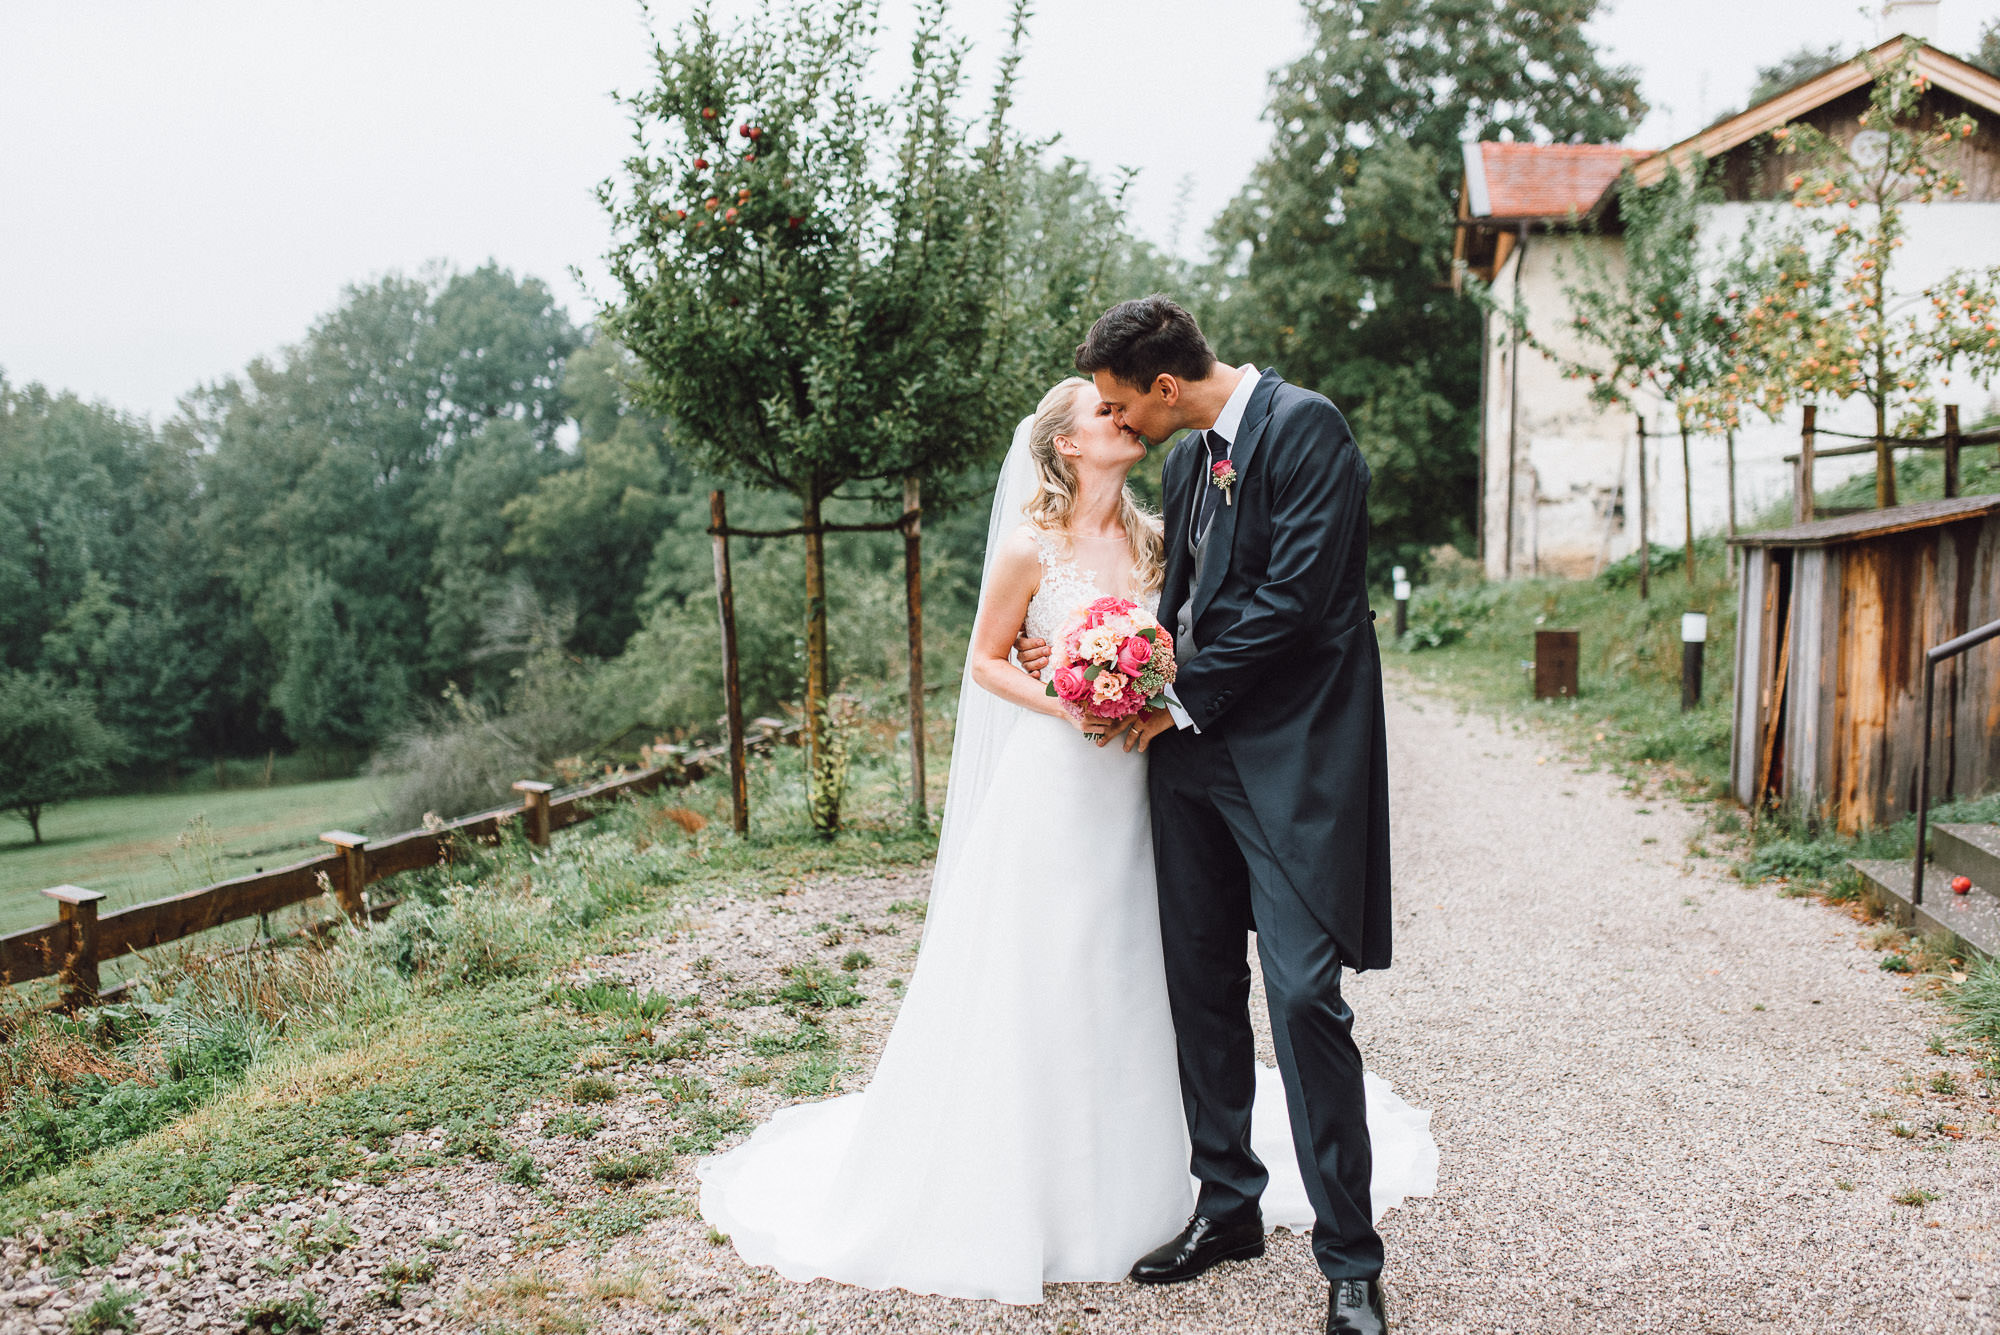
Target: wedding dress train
[1024,1125]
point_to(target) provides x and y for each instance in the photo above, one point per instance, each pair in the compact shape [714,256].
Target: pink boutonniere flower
[1223,474]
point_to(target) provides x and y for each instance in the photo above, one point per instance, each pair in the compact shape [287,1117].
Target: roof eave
[1946,71]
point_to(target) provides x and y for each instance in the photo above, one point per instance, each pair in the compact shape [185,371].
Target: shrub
[1444,615]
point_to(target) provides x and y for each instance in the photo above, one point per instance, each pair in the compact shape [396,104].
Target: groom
[1269,780]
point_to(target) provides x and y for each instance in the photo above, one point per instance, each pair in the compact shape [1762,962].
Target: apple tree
[814,276]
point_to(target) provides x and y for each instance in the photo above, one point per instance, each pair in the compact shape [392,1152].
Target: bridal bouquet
[1114,660]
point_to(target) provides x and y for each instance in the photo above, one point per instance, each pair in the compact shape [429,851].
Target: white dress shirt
[1228,425]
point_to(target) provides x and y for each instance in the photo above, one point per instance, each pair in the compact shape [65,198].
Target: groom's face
[1148,413]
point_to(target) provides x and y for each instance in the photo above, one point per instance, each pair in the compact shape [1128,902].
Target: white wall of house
[1575,464]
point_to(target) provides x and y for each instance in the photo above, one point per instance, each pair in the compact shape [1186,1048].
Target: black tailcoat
[1287,674]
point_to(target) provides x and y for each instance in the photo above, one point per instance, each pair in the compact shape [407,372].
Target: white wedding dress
[1024,1125]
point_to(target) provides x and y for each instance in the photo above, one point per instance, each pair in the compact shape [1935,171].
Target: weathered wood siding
[1859,614]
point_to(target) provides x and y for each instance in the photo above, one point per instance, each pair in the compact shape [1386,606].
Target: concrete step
[1974,919]
[1967,850]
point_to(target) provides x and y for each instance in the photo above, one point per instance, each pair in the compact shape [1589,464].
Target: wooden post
[732,680]
[1803,504]
[77,908]
[353,878]
[1951,444]
[535,797]
[1687,501]
[913,592]
[1645,547]
[1729,440]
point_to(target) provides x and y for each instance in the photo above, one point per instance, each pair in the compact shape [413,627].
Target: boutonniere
[1222,474]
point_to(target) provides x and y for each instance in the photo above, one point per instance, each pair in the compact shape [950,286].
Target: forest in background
[441,531]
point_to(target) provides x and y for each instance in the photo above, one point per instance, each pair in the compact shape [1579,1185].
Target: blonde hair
[1055,491]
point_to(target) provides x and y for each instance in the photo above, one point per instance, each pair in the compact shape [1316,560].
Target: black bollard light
[1694,637]
[1402,593]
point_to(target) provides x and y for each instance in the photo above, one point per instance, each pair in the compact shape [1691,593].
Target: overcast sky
[186,184]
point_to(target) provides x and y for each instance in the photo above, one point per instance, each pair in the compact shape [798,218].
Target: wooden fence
[71,948]
[1952,442]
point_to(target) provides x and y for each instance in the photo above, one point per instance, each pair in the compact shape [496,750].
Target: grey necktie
[1211,495]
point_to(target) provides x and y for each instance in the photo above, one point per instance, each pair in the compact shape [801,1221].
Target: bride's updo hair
[1055,490]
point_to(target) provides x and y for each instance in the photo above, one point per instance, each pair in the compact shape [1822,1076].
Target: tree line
[452,498]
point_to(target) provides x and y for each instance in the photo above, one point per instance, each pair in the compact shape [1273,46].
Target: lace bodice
[1065,590]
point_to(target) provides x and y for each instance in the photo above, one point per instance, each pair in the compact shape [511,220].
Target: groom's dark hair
[1139,341]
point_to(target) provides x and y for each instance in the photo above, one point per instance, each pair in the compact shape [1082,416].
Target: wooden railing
[72,948]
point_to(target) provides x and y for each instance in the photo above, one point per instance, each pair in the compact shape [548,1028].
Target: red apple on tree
[701,164]
[708,113]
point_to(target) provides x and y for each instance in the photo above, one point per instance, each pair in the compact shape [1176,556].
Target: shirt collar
[1230,420]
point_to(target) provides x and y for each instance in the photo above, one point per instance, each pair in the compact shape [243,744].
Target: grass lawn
[141,847]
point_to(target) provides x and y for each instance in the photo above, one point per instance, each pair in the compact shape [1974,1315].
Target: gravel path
[1665,1101]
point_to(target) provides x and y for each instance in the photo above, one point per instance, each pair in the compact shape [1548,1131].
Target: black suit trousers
[1220,880]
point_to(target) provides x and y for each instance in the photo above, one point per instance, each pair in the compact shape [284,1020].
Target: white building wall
[1575,466]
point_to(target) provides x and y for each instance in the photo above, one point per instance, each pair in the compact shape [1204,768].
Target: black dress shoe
[1203,1243]
[1355,1308]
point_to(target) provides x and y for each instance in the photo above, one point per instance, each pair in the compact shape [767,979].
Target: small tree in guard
[1863,337]
[813,276]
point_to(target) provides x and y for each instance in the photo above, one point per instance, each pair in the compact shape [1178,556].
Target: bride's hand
[1092,726]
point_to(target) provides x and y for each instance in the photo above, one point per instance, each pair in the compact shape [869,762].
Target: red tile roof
[1546,180]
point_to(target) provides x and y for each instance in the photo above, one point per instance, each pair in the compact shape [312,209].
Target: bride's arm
[1016,574]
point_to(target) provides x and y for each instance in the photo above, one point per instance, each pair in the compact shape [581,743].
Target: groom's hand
[1146,727]
[1033,653]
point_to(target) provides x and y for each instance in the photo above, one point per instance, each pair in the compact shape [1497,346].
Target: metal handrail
[1932,657]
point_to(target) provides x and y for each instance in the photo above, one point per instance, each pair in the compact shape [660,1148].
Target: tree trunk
[33,812]
[1687,500]
[822,777]
[1885,462]
[913,593]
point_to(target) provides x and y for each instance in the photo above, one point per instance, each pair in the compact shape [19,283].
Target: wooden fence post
[77,907]
[535,796]
[1645,544]
[1803,503]
[732,681]
[1951,443]
[353,878]
[913,589]
[1729,440]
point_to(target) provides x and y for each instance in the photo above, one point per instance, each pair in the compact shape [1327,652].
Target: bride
[1025,1125]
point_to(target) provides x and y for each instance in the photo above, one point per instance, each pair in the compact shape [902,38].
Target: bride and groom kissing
[1071,1091]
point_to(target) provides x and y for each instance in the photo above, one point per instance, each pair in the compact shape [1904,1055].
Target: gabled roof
[1948,72]
[1517,182]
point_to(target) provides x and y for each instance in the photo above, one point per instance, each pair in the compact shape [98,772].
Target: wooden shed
[1833,620]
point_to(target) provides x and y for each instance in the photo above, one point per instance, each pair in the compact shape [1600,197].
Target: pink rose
[1070,685]
[1134,654]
